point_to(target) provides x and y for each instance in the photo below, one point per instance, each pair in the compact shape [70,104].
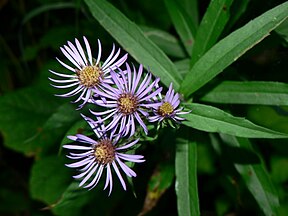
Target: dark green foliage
[229,158]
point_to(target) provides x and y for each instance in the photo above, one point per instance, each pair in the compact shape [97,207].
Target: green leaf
[233,92]
[159,182]
[72,200]
[167,42]
[191,8]
[186,175]
[279,169]
[76,128]
[238,8]
[282,30]
[22,116]
[256,178]
[130,36]
[49,179]
[211,119]
[47,7]
[273,117]
[232,47]
[211,26]
[182,66]
[41,120]
[182,23]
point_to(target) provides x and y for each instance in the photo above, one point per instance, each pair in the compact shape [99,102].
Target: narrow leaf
[130,36]
[183,25]
[159,182]
[256,178]
[47,7]
[186,176]
[191,8]
[233,92]
[238,8]
[211,26]
[182,66]
[282,30]
[232,47]
[211,119]
[166,41]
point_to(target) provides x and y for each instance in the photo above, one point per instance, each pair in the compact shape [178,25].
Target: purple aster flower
[167,109]
[97,156]
[128,100]
[87,74]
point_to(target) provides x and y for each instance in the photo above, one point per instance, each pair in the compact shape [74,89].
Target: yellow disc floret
[104,152]
[127,104]
[165,109]
[89,76]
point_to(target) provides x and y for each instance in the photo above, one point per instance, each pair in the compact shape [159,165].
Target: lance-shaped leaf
[159,182]
[233,92]
[232,47]
[186,175]
[166,41]
[211,26]
[212,119]
[130,36]
[255,177]
[192,10]
[182,23]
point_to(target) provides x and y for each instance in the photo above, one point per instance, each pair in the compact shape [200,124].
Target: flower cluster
[125,100]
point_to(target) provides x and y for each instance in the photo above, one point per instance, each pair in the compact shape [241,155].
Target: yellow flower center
[104,152]
[127,104]
[89,76]
[165,109]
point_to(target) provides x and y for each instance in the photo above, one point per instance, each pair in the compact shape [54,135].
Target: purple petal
[129,172]
[64,75]
[66,66]
[96,179]
[76,54]
[141,122]
[119,175]
[112,60]
[79,47]
[76,147]
[109,57]
[91,172]
[128,145]
[63,81]
[79,163]
[119,62]
[88,49]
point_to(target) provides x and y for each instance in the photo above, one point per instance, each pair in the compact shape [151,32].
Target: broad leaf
[233,92]
[22,116]
[232,47]
[49,179]
[39,120]
[130,36]
[186,175]
[211,119]
[72,200]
